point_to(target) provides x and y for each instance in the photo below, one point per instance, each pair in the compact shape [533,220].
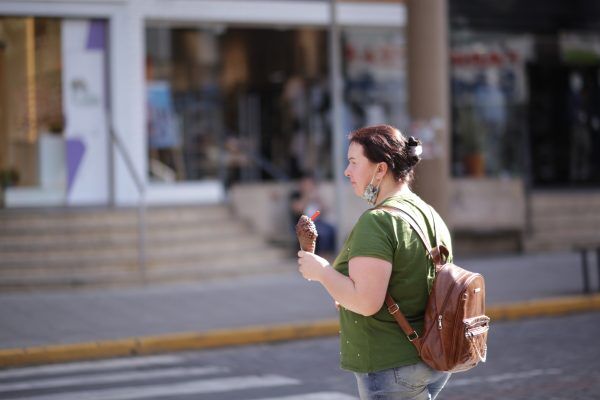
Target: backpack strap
[438,255]
[443,251]
[409,218]
[401,320]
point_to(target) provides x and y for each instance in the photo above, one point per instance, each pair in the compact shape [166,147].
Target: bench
[583,250]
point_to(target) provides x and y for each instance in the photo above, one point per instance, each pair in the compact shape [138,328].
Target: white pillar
[128,100]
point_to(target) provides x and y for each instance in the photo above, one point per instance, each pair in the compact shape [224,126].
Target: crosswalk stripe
[503,377]
[175,389]
[92,366]
[188,372]
[315,396]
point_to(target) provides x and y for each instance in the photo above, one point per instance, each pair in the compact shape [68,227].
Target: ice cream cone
[306,231]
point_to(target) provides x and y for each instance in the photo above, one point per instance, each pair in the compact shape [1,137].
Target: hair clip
[414,147]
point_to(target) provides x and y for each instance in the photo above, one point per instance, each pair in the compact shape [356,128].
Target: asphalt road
[545,358]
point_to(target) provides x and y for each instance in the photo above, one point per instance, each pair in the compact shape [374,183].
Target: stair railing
[141,206]
[267,166]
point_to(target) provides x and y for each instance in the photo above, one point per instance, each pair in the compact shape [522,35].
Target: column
[428,93]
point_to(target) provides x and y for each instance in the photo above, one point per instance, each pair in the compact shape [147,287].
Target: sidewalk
[54,326]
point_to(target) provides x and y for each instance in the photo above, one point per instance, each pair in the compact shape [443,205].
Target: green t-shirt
[374,343]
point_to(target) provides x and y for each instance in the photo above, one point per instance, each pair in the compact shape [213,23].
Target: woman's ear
[381,170]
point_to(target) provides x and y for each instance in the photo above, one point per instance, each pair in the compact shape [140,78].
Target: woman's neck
[391,188]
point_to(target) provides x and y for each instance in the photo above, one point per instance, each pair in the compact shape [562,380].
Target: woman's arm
[363,292]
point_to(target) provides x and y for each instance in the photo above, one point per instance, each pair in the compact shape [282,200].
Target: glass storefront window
[526,99]
[31,115]
[53,136]
[252,103]
[184,103]
[229,102]
[489,102]
[375,77]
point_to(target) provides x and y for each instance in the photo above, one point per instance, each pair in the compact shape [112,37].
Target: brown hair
[384,143]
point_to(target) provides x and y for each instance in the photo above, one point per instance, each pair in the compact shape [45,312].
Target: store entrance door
[564,121]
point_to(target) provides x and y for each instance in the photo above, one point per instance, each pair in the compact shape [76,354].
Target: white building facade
[103,108]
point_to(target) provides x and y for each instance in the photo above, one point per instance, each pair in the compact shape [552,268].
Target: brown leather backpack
[455,331]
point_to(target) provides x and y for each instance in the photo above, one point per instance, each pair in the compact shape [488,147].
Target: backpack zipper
[441,314]
[456,338]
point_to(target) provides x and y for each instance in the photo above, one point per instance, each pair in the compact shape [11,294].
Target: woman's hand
[311,266]
[362,292]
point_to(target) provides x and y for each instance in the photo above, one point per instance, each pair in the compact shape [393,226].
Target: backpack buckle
[393,309]
[413,336]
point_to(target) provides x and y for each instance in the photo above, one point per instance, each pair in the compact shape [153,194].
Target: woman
[306,200]
[383,253]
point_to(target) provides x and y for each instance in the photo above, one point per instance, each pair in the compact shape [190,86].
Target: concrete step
[25,241]
[563,240]
[571,200]
[107,216]
[79,247]
[153,250]
[561,220]
[68,273]
[567,220]
[164,274]
[85,213]
[92,258]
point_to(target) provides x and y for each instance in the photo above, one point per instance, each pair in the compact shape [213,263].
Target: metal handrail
[267,166]
[142,197]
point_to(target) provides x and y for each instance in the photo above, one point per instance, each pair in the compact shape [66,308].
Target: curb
[544,308]
[256,334]
[166,343]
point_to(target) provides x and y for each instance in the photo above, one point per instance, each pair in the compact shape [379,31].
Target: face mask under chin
[370,193]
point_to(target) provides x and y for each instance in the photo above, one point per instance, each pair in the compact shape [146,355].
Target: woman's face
[360,169]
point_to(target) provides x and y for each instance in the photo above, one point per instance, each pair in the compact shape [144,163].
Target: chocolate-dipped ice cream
[307,234]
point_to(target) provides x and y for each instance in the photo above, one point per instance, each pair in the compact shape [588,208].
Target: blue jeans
[411,382]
